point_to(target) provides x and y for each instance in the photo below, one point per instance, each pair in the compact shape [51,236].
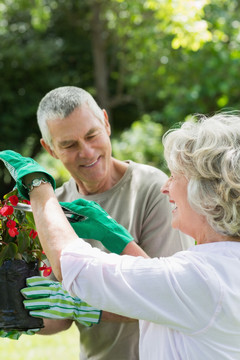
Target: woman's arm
[54,230]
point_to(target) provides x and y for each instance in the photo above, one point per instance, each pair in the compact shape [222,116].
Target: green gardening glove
[15,334]
[47,299]
[90,221]
[20,166]
[95,224]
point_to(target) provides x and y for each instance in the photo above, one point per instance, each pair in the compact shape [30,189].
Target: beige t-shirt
[137,203]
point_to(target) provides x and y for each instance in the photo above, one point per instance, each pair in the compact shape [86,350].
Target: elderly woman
[187,304]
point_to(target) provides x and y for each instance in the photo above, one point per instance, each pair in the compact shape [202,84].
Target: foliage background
[150,63]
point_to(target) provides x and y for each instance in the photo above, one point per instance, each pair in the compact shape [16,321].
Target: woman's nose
[165,187]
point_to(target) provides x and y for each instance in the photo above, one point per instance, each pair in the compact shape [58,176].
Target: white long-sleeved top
[135,202]
[188,304]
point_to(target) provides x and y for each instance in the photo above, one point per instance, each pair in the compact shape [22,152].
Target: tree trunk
[99,56]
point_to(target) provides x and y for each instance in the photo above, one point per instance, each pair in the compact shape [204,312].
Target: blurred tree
[141,143]
[165,58]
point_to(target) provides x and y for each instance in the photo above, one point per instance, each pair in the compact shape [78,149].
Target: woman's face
[184,217]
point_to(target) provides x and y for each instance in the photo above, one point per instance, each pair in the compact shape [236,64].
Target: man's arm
[54,326]
[134,250]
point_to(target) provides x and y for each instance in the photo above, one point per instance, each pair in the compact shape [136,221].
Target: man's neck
[117,171]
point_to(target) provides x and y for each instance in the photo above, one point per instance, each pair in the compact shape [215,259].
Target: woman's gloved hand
[47,299]
[20,166]
[87,218]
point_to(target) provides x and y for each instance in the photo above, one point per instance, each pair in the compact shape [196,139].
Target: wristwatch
[36,182]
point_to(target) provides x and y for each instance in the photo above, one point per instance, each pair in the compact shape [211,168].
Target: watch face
[36,182]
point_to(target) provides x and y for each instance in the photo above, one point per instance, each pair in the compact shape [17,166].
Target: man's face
[81,141]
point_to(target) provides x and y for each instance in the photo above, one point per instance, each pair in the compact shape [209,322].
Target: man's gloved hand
[15,334]
[90,221]
[20,166]
[47,299]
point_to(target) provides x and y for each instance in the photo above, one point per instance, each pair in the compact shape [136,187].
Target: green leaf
[23,242]
[8,252]
[11,193]
[28,257]
[30,220]
[20,216]
[7,238]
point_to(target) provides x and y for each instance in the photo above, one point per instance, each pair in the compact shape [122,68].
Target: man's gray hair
[60,103]
[206,150]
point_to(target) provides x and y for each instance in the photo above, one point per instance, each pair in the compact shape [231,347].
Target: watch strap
[36,182]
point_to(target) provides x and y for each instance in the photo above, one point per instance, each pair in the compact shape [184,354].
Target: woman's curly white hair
[206,150]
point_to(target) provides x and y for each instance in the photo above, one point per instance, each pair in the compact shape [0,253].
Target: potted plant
[20,257]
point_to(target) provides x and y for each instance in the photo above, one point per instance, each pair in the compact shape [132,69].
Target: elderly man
[76,131]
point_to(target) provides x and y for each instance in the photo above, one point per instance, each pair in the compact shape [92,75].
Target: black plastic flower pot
[13,315]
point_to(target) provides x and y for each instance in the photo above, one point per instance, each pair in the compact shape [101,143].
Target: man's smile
[92,164]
